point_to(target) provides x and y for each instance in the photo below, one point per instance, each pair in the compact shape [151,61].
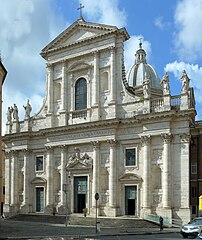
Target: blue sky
[171,33]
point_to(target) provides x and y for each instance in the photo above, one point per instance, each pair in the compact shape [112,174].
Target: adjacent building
[3,73]
[102,131]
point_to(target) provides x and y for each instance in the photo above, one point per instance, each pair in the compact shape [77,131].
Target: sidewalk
[25,230]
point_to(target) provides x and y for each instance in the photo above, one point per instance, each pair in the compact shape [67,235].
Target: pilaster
[49,73]
[96,171]
[14,182]
[166,181]
[113,210]
[26,185]
[146,172]
[6,209]
[49,171]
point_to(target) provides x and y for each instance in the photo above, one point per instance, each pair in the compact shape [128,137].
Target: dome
[141,70]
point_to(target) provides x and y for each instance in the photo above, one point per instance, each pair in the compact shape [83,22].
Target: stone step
[79,219]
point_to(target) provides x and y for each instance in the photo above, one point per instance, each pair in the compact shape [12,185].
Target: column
[95,87]
[26,185]
[112,173]
[184,171]
[14,180]
[49,72]
[7,179]
[146,171]
[113,80]
[96,171]
[72,92]
[166,181]
[63,174]
[49,172]
[63,86]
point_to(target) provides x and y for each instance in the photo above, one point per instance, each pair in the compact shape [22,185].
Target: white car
[193,228]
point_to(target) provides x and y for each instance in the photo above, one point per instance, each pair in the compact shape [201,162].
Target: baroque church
[101,130]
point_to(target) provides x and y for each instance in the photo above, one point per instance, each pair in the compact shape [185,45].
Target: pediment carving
[79,161]
[81,31]
[130,176]
[79,66]
[38,180]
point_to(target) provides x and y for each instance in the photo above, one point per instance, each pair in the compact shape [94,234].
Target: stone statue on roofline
[15,113]
[185,82]
[165,83]
[9,115]
[146,87]
[28,109]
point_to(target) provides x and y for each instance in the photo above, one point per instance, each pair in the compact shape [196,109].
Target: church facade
[102,131]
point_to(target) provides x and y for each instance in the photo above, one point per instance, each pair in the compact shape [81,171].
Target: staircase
[79,219]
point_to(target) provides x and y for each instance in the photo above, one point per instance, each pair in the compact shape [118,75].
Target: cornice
[106,124]
[86,40]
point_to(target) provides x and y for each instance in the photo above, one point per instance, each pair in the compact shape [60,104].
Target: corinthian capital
[145,140]
[167,137]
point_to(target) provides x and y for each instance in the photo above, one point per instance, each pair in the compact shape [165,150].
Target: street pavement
[10,229]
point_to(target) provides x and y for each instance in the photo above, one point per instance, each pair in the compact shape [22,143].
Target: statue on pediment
[15,112]
[146,87]
[165,84]
[185,82]
[28,109]
[9,115]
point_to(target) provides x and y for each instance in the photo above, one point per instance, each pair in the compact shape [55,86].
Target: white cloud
[188,35]
[194,72]
[158,22]
[26,27]
[131,46]
[105,11]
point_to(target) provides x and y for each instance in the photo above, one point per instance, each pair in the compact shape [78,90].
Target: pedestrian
[161,223]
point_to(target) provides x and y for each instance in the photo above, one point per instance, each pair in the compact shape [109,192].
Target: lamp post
[96,198]
[66,190]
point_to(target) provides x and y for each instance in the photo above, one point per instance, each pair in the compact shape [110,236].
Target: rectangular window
[194,168]
[193,209]
[131,157]
[193,192]
[4,190]
[39,163]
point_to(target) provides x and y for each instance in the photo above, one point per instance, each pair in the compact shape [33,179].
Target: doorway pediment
[79,161]
[130,176]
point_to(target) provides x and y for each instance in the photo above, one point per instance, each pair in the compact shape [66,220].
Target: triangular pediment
[79,32]
[130,176]
[78,161]
[38,180]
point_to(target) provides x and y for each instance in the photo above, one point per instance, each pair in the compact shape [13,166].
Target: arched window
[81,94]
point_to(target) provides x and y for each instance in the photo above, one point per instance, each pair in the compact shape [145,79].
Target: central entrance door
[130,200]
[39,199]
[80,194]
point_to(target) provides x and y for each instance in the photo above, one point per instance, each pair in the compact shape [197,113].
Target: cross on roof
[80,8]
[140,43]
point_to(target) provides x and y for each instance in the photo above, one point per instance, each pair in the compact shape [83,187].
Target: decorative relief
[185,138]
[157,199]
[95,144]
[105,197]
[20,198]
[145,140]
[157,156]
[112,142]
[167,137]
[58,163]
[76,158]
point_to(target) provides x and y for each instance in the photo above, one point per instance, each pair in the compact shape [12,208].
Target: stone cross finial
[80,8]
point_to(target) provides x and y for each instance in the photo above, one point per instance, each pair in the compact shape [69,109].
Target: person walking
[161,223]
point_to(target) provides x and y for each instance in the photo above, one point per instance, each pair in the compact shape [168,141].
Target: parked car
[193,228]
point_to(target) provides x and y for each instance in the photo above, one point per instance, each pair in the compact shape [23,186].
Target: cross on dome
[80,8]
